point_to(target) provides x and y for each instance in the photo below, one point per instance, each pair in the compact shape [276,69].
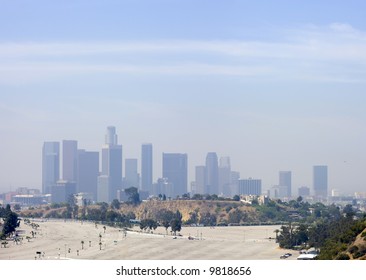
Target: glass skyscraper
[146,167]
[111,167]
[50,165]
[175,170]
[320,180]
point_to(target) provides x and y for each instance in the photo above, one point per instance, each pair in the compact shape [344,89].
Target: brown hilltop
[224,211]
[220,209]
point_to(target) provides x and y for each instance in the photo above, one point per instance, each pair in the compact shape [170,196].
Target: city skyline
[275,86]
[106,179]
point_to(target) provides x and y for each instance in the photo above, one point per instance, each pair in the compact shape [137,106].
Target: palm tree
[82,244]
[89,243]
[104,227]
[277,232]
[100,245]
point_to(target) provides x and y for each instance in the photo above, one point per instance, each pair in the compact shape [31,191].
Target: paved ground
[62,240]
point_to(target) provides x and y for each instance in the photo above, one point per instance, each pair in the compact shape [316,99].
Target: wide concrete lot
[63,240]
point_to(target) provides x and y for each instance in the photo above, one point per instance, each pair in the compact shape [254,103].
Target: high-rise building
[50,165]
[131,174]
[320,180]
[200,182]
[304,191]
[234,182]
[87,172]
[146,167]
[285,182]
[250,187]
[175,170]
[69,160]
[212,174]
[224,176]
[111,167]
[62,191]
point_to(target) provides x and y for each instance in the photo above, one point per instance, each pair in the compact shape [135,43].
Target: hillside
[357,250]
[194,211]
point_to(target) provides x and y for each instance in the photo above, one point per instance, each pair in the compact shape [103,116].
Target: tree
[148,224]
[197,196]
[116,204]
[236,198]
[208,219]
[175,225]
[176,222]
[17,207]
[348,211]
[11,222]
[82,244]
[133,195]
[164,217]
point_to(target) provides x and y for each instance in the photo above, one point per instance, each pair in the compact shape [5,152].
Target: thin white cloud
[332,53]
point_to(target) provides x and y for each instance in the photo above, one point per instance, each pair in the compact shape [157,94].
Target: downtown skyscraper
[69,160]
[110,179]
[320,181]
[50,165]
[212,174]
[87,172]
[131,178]
[146,167]
[285,183]
[175,171]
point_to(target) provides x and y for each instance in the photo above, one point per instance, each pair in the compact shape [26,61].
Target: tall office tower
[224,176]
[146,167]
[250,186]
[304,191]
[320,180]
[200,179]
[285,182]
[69,160]
[234,182]
[131,175]
[87,172]
[111,137]
[50,165]
[175,170]
[212,174]
[111,175]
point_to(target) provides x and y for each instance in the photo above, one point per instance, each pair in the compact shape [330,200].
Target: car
[284,257]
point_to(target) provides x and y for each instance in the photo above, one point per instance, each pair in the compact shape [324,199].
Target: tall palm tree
[82,244]
[277,232]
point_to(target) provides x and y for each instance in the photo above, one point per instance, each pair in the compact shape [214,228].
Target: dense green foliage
[11,221]
[329,229]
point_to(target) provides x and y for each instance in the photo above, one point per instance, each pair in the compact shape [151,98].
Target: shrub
[343,256]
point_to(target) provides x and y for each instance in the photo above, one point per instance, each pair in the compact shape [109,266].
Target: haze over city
[276,86]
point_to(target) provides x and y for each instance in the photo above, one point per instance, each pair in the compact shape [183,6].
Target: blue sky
[276,85]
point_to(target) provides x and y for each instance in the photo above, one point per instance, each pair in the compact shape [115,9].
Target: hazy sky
[275,85]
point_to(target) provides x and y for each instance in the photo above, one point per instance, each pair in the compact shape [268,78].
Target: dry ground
[55,238]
